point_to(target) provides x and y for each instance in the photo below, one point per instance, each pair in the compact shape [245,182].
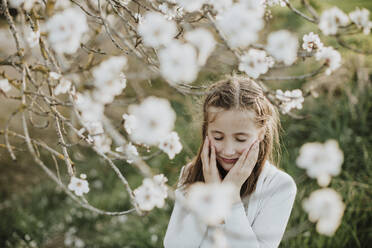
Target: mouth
[229,161]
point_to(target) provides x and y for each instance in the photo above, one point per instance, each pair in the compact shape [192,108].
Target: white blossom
[191,6]
[274,2]
[311,42]
[361,18]
[66,30]
[331,56]
[289,100]
[171,145]
[220,5]
[130,152]
[4,85]
[155,120]
[129,123]
[62,4]
[283,46]
[79,186]
[151,193]
[102,143]
[178,63]
[331,19]
[94,127]
[32,37]
[240,25]
[210,202]
[63,86]
[156,30]
[90,109]
[109,70]
[105,93]
[325,207]
[321,161]
[27,4]
[54,75]
[256,6]
[203,40]
[254,63]
[171,13]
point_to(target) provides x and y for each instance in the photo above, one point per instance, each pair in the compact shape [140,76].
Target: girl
[240,132]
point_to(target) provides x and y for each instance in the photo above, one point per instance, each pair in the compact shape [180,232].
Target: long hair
[239,93]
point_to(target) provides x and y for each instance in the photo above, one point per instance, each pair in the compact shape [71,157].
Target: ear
[261,134]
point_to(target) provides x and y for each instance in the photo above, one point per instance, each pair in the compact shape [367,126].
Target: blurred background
[36,213]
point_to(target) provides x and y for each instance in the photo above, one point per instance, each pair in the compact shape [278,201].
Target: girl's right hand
[210,170]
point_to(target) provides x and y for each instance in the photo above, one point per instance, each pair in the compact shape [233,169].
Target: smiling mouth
[229,161]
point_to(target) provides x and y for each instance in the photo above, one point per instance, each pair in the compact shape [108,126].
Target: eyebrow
[239,133]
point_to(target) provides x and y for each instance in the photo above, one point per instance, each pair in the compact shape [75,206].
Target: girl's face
[231,132]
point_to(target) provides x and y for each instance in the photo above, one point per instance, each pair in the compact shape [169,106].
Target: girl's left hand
[243,168]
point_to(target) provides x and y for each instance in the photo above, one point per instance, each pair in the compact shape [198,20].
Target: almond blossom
[321,161]
[178,63]
[130,152]
[129,123]
[361,18]
[274,2]
[102,143]
[155,120]
[26,4]
[220,5]
[152,193]
[89,109]
[289,100]
[65,30]
[32,37]
[63,87]
[156,30]
[240,25]
[203,40]
[325,207]
[4,85]
[331,20]
[171,13]
[332,58]
[191,6]
[283,46]
[109,81]
[210,202]
[254,63]
[79,186]
[311,42]
[171,144]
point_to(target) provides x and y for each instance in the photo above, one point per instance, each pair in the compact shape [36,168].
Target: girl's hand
[243,168]
[210,171]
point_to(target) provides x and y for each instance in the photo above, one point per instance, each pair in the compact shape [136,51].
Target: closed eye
[239,140]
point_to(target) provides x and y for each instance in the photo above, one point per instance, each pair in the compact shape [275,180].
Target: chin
[226,166]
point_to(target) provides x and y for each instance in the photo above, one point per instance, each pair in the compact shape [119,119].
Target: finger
[213,157]
[241,159]
[252,156]
[205,151]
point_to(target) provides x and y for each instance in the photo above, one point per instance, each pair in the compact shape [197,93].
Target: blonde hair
[239,93]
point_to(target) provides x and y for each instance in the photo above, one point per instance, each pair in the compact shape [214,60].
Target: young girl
[240,132]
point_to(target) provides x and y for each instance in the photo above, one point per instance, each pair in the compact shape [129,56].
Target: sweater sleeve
[184,229]
[269,225]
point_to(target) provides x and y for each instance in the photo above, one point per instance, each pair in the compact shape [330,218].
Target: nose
[228,149]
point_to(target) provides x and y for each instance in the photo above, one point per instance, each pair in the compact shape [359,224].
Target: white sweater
[258,221]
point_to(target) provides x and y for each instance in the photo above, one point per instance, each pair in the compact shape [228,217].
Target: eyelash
[239,140]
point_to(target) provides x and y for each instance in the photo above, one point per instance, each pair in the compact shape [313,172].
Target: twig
[296,11]
[299,77]
[343,44]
